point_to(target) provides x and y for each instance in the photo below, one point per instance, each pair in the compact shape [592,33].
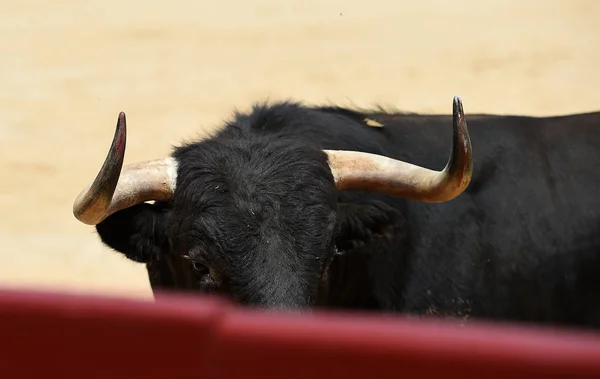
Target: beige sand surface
[179,67]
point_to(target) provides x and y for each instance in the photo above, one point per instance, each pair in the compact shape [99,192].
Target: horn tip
[121,122]
[457,105]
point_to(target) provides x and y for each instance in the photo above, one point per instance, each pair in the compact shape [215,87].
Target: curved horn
[117,187]
[376,173]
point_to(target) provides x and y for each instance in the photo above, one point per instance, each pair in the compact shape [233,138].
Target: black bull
[253,212]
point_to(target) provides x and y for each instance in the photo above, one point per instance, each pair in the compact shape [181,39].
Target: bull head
[117,187]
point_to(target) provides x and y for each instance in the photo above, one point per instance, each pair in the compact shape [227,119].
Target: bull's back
[525,236]
[533,178]
[523,168]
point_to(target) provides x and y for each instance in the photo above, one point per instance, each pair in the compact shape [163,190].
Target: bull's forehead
[251,193]
[254,178]
[249,220]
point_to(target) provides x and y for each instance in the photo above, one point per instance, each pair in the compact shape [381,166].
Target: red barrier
[71,336]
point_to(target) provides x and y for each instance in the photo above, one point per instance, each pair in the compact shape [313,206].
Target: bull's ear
[138,232]
[364,225]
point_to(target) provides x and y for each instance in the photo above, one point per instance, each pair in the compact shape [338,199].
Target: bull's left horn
[117,187]
[376,173]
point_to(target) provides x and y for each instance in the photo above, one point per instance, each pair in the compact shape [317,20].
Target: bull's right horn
[115,189]
[376,173]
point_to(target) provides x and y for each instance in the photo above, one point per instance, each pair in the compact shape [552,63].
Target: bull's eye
[199,268]
[207,280]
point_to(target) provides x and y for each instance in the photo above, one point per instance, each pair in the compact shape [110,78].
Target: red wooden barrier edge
[82,336]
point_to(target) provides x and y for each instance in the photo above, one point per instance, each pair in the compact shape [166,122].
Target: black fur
[256,216]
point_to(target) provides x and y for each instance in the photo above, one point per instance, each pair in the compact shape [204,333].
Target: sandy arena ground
[178,68]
